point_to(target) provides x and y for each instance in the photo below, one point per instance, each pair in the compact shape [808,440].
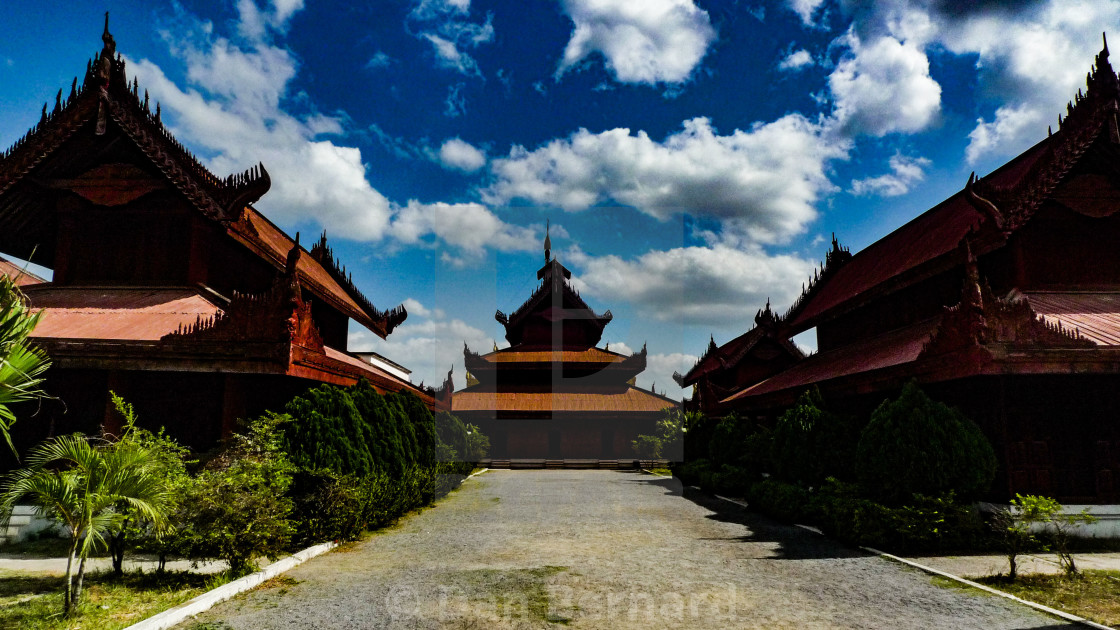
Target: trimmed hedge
[365,458]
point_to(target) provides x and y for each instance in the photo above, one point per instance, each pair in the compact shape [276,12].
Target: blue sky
[693,156]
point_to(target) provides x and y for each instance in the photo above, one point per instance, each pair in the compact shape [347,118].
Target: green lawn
[31,601]
[1095,595]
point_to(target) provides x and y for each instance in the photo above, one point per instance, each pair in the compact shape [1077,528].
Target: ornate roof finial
[106,58]
[547,241]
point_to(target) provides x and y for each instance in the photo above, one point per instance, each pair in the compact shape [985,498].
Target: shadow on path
[793,543]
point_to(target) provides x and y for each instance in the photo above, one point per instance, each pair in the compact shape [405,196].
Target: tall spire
[107,52]
[547,242]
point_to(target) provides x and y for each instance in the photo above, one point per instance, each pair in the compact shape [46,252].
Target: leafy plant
[810,443]
[237,508]
[82,482]
[1038,510]
[21,364]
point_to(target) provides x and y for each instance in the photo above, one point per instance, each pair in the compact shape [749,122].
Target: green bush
[326,506]
[237,507]
[914,445]
[784,501]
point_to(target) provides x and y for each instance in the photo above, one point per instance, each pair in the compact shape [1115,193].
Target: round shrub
[915,445]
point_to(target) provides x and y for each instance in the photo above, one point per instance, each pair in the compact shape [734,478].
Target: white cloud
[470,227]
[659,373]
[905,172]
[232,108]
[796,60]
[1027,56]
[255,24]
[427,343]
[883,87]
[717,286]
[1032,64]
[461,155]
[455,104]
[379,60]
[446,27]
[653,41]
[805,9]
[761,183]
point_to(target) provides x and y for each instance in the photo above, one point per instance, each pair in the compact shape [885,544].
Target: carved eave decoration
[279,315]
[767,325]
[983,319]
[552,283]
[387,320]
[106,93]
[837,257]
[1090,114]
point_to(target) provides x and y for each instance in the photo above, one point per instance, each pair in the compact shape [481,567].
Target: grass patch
[663,472]
[1095,595]
[34,602]
[510,595]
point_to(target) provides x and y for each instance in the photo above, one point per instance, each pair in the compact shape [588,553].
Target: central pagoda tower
[553,397]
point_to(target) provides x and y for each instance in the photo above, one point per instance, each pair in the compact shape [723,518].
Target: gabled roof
[993,207]
[105,94]
[717,358]
[554,290]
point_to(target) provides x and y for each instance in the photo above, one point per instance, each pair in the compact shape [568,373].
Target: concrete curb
[476,473]
[956,578]
[205,601]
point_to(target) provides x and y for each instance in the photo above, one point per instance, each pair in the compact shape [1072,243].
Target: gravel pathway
[596,549]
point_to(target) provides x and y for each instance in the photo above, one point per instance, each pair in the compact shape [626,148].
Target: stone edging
[172,616]
[987,589]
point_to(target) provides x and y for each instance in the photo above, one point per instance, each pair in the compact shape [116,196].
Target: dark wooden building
[169,287]
[553,396]
[1003,300]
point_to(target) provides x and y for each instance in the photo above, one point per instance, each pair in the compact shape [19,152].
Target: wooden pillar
[233,403]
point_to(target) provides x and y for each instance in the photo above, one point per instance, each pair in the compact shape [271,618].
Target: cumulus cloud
[883,86]
[659,373]
[796,60]
[231,108]
[1023,52]
[761,183]
[654,41]
[428,343]
[1025,63]
[905,172]
[719,286]
[460,155]
[470,227]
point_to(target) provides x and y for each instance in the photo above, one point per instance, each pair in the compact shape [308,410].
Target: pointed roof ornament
[547,241]
[105,60]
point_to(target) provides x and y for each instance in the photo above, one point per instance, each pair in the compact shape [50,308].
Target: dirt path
[596,549]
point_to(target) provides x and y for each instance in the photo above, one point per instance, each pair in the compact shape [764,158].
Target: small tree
[168,460]
[82,482]
[21,364]
[1037,510]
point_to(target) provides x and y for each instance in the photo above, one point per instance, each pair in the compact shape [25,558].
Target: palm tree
[80,481]
[21,365]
